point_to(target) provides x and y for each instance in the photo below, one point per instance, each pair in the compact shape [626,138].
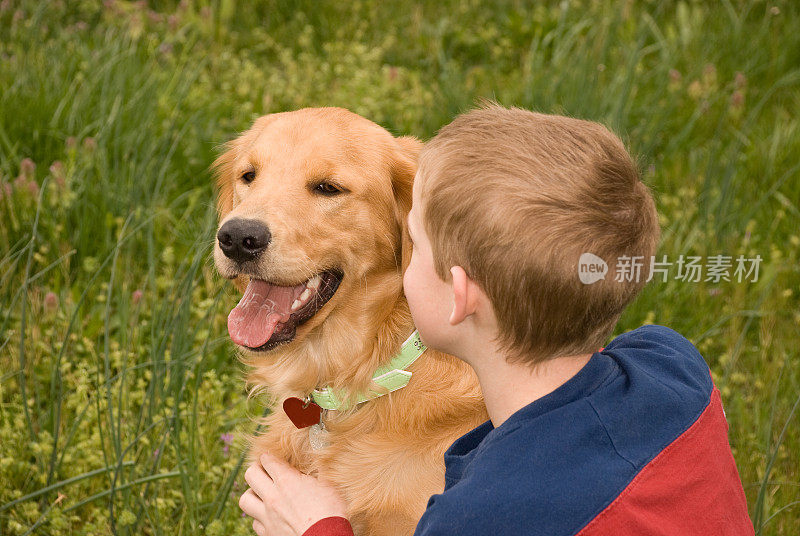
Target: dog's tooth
[314,282]
[304,296]
[296,305]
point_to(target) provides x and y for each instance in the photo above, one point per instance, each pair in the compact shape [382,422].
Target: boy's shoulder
[556,464]
[659,355]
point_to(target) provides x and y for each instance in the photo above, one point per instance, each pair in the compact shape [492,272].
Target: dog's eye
[248,176]
[327,188]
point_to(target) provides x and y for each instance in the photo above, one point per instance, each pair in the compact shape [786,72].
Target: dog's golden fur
[385,455]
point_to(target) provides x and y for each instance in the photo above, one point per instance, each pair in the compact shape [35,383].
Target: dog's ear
[404,168]
[222,168]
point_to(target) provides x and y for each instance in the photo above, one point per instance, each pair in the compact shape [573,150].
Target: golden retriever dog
[312,229]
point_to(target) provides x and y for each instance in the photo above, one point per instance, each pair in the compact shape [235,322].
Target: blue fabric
[556,463]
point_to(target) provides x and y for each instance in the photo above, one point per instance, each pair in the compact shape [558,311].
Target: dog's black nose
[243,240]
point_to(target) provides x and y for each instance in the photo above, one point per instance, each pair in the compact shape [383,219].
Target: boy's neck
[508,388]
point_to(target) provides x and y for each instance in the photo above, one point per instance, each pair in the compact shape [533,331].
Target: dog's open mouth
[268,314]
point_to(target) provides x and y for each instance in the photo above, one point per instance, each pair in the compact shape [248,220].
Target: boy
[631,439]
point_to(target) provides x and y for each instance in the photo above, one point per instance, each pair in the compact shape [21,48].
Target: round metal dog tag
[318,436]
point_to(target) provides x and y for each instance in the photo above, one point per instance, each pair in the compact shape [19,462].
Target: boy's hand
[284,501]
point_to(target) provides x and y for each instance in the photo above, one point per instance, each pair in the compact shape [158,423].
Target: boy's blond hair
[515,198]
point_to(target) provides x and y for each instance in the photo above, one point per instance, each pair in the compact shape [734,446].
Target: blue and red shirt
[635,443]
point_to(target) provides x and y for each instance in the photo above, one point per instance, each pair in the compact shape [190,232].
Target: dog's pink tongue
[252,322]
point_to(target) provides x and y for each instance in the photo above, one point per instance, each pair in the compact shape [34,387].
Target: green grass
[117,381]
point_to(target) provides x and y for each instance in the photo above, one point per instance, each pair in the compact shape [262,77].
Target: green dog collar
[392,376]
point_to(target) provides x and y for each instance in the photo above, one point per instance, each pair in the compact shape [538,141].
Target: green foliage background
[119,390]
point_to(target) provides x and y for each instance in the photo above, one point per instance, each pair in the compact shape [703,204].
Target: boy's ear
[404,168]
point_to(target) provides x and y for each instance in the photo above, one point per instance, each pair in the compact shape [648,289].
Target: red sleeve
[330,526]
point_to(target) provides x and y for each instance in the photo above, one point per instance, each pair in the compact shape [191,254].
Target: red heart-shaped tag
[300,413]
